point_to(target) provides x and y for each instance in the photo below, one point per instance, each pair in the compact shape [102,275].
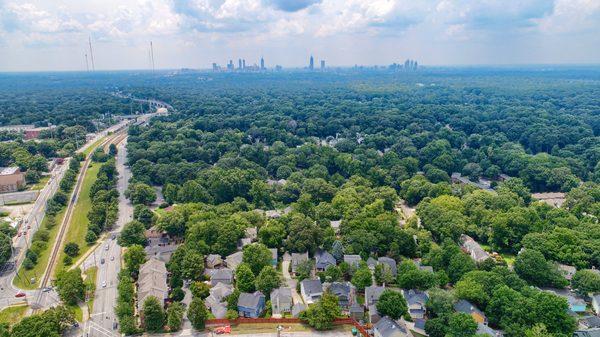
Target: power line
[91,53]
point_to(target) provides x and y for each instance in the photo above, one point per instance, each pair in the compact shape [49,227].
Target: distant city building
[230,65]
[278,68]
[240,64]
[243,63]
[322,64]
[215,67]
[262,63]
[311,64]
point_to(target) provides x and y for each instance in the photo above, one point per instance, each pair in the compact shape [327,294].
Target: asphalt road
[102,315]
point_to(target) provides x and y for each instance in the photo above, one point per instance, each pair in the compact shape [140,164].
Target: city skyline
[54,35]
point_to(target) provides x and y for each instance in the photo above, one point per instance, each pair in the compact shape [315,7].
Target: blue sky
[52,34]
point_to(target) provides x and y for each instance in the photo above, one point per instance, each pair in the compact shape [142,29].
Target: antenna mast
[152,55]
[91,53]
[87,64]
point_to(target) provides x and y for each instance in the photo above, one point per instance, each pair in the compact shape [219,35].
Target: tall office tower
[239,63]
[243,63]
[311,64]
[415,65]
[406,64]
[262,63]
[230,65]
[215,67]
[322,64]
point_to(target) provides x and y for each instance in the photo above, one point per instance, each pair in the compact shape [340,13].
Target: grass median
[78,226]
[12,314]
[24,275]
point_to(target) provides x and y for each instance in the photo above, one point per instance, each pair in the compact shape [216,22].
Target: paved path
[291,282]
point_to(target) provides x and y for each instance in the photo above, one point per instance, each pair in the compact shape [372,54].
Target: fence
[337,321]
[18,197]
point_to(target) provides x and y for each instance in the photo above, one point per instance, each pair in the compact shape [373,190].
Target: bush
[71,249]
[28,264]
[177,294]
[33,256]
[67,260]
[41,235]
[91,237]
[231,314]
[38,247]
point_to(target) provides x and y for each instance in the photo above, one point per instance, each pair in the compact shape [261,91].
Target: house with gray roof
[234,260]
[372,294]
[566,270]
[371,263]
[353,260]
[596,303]
[344,291]
[387,327]
[467,307]
[281,301]
[587,333]
[297,308]
[298,258]
[224,275]
[311,290]
[589,322]
[416,300]
[390,263]
[251,305]
[152,281]
[374,315]
[485,330]
[214,261]
[473,248]
[335,224]
[356,311]
[324,259]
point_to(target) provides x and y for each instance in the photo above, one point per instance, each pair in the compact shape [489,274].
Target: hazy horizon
[44,35]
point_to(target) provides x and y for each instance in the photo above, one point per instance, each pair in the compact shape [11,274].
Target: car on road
[102,261]
[106,247]
[114,236]
[112,258]
[20,294]
[103,284]
[47,289]
[19,234]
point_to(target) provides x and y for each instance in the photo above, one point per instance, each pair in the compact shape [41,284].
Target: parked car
[102,261]
[20,294]
[103,284]
[106,247]
[223,329]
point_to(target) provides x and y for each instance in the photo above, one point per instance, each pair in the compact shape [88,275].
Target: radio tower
[152,56]
[87,64]
[91,53]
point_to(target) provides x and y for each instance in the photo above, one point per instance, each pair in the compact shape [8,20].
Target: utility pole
[152,56]
[87,64]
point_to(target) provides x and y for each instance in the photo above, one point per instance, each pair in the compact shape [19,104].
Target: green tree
[337,250]
[244,278]
[70,286]
[175,313]
[383,274]
[531,265]
[440,302]
[200,289]
[586,281]
[134,257]
[461,325]
[197,313]
[141,193]
[173,223]
[362,278]
[132,234]
[321,315]
[153,315]
[267,280]
[5,248]
[257,256]
[71,249]
[392,303]
[192,265]
[272,234]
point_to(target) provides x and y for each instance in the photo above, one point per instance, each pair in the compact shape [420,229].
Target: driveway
[291,282]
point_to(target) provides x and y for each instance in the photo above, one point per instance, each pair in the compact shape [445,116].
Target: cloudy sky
[53,34]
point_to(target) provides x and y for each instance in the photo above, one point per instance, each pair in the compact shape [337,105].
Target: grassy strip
[77,312]
[38,270]
[40,184]
[78,226]
[90,286]
[93,147]
[13,314]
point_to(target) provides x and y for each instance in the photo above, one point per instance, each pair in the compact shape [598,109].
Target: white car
[103,284]
[112,258]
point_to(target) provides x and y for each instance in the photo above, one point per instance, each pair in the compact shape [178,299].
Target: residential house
[485,330]
[387,327]
[216,300]
[234,260]
[589,322]
[251,305]
[390,263]
[353,260]
[281,301]
[11,179]
[372,294]
[356,311]
[596,303]
[416,300]
[418,326]
[467,307]
[214,261]
[219,310]
[473,248]
[311,290]
[298,258]
[251,233]
[152,281]
[323,259]
[274,256]
[335,224]
[567,271]
[344,291]
[224,275]
[587,333]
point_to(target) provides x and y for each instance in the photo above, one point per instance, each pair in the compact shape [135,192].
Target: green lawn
[25,275]
[12,315]
[40,184]
[77,312]
[93,146]
[78,226]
